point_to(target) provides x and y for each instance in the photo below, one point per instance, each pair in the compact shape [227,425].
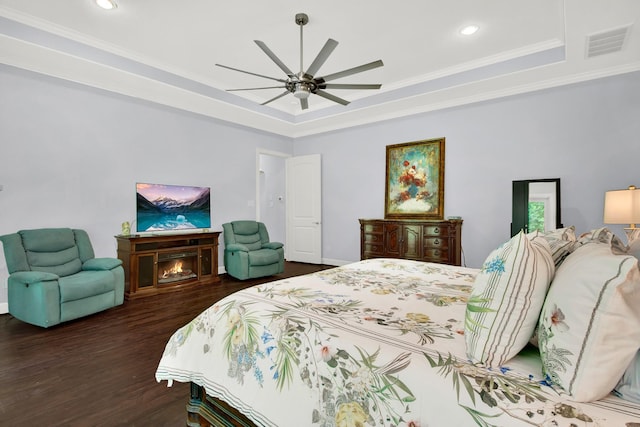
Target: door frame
[259,152]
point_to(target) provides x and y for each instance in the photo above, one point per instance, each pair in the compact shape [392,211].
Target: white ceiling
[165,51]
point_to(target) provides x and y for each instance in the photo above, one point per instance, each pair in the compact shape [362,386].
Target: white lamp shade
[622,206]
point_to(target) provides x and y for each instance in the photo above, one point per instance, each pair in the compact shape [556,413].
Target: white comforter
[374,343]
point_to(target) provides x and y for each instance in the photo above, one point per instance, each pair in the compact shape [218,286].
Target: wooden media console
[167,262]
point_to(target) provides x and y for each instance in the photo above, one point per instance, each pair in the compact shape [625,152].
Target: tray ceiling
[165,51]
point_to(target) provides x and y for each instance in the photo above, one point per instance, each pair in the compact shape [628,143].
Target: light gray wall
[587,134]
[70,156]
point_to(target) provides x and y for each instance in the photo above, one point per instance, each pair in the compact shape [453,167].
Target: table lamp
[623,207]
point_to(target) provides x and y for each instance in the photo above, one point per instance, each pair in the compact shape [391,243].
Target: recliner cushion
[263,257]
[252,242]
[47,239]
[245,227]
[247,233]
[52,250]
[85,284]
[63,263]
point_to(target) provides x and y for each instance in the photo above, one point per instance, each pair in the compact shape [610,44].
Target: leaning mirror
[535,205]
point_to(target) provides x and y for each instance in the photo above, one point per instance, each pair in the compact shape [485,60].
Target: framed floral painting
[415,180]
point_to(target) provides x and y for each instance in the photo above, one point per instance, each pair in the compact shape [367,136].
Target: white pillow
[589,328]
[628,387]
[508,293]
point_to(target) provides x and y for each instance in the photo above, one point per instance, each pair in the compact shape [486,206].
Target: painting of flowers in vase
[415,180]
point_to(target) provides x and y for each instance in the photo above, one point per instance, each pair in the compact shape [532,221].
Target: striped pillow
[507,296]
[589,329]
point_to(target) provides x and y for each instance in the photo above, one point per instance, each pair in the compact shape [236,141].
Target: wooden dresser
[422,240]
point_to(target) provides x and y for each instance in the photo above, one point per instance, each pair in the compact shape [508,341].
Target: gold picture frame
[414,180]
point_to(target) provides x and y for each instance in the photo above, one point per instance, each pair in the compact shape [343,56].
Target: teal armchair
[248,253]
[54,276]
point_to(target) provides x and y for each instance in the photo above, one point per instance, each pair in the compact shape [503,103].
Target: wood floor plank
[100,370]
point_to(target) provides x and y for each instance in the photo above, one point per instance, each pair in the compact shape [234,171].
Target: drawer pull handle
[436,242]
[436,230]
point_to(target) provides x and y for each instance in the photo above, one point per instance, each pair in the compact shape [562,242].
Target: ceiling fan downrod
[301,19]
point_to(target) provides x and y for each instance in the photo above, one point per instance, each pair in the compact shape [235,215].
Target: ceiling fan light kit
[302,91]
[303,83]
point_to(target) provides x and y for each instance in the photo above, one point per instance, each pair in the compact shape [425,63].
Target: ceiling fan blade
[349,86]
[286,92]
[256,88]
[304,103]
[350,71]
[249,72]
[332,97]
[274,58]
[324,53]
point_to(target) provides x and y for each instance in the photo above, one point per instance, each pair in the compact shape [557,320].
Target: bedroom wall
[70,155]
[586,134]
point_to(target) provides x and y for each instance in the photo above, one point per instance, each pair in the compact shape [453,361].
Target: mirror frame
[520,204]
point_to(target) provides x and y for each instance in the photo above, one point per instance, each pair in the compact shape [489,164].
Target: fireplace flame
[176,269]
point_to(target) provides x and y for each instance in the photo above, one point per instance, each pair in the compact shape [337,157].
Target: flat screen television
[161,207]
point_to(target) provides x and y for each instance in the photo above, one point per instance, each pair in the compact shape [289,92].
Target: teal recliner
[54,276]
[248,253]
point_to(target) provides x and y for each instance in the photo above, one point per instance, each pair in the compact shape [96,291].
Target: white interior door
[304,209]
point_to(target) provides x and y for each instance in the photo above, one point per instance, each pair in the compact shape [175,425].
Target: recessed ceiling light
[107,4]
[469,29]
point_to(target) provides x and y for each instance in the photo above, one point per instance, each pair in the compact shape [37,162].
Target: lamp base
[633,234]
[633,241]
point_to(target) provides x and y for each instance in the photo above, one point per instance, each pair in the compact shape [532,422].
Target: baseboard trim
[336,262]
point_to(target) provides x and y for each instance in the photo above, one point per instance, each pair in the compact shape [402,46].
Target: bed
[379,342]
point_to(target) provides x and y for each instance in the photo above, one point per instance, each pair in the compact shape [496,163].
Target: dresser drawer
[373,228]
[374,249]
[373,238]
[435,230]
[436,243]
[436,255]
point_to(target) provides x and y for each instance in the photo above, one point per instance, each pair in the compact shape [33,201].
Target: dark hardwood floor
[99,370]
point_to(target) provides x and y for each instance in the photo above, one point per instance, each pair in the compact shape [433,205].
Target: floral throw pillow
[508,293]
[589,328]
[562,242]
[604,235]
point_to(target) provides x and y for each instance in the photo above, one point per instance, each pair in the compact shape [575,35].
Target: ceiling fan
[303,83]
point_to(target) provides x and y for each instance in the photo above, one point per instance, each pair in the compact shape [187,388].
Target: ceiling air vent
[606,42]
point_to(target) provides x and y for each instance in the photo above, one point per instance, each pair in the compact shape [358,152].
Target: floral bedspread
[374,343]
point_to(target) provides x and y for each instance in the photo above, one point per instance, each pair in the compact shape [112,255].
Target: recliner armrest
[234,247]
[31,277]
[101,264]
[272,245]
